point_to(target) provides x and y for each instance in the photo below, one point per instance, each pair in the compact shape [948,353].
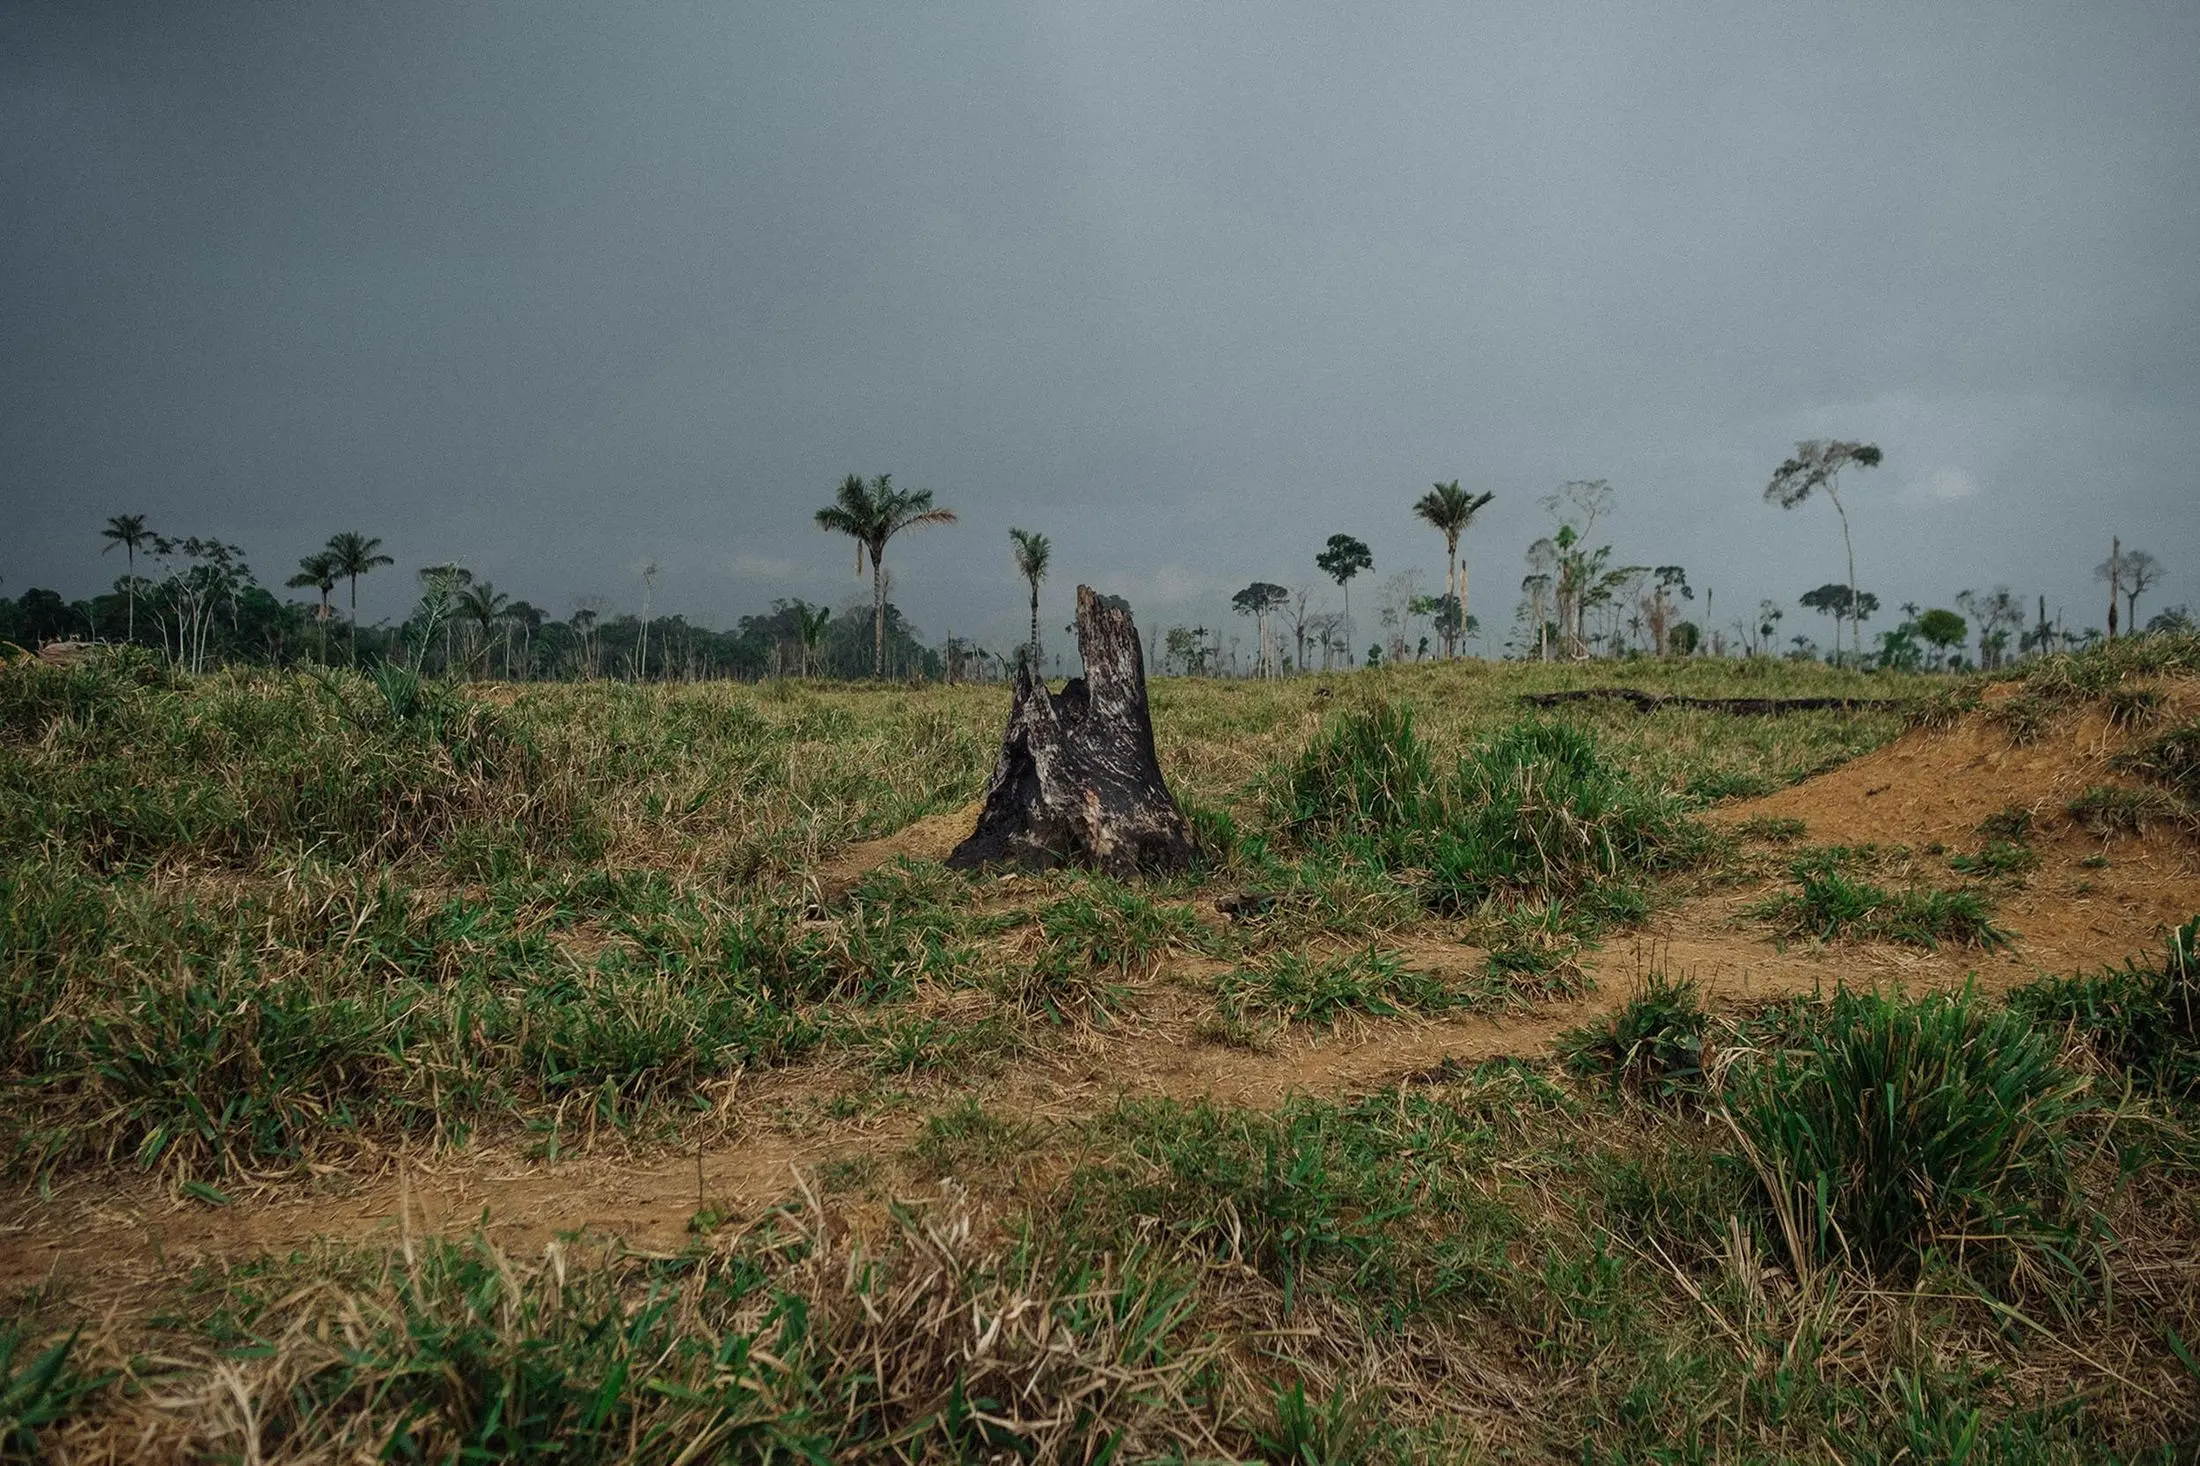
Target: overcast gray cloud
[557,290]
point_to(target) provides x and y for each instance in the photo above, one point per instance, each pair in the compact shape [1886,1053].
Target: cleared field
[603,1073]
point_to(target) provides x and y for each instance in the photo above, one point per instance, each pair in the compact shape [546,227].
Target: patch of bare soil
[930,838]
[2088,905]
[1937,786]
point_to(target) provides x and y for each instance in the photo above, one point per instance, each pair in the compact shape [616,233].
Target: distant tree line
[197,601]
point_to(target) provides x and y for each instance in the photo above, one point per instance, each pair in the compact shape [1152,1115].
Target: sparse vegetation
[2109,810]
[1294,988]
[2144,1018]
[1653,1048]
[1010,1233]
[1826,903]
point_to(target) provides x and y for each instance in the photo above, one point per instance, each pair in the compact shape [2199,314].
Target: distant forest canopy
[523,645]
[198,602]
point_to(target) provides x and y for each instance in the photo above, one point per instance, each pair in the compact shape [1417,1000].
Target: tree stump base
[1077,782]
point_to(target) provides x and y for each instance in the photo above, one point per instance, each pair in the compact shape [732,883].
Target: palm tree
[128,531]
[1817,464]
[354,555]
[871,514]
[1451,509]
[809,624]
[317,571]
[484,605]
[1031,563]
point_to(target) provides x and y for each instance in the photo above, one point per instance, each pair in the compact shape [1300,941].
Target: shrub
[1901,1127]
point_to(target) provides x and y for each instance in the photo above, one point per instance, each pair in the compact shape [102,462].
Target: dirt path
[96,1225]
[2075,912]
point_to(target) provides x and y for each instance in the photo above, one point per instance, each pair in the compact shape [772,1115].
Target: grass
[1772,829]
[1652,1049]
[789,1343]
[1996,858]
[1342,1277]
[2172,760]
[2109,810]
[1292,987]
[1534,811]
[1827,903]
[1904,1128]
[531,917]
[2143,1018]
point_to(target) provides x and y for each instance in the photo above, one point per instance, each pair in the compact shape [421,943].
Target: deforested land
[1782,1064]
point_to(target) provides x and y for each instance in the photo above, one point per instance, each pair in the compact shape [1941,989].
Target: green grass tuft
[1905,1127]
[1296,988]
[2143,1019]
[2108,810]
[2170,759]
[1651,1049]
[1828,904]
[1539,812]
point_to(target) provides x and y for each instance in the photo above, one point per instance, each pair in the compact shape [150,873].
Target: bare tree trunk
[878,617]
[1078,781]
[2115,576]
[1451,588]
[1855,626]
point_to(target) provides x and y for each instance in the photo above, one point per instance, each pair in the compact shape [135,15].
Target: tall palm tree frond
[128,531]
[1450,509]
[871,514]
[355,555]
[1032,553]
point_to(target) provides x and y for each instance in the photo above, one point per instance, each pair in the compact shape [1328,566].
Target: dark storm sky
[555,290]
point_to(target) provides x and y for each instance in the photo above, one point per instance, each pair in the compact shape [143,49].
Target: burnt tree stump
[1077,782]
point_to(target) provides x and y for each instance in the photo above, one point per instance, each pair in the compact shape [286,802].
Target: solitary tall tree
[1944,629]
[871,514]
[1032,551]
[317,572]
[1451,509]
[128,531]
[355,555]
[1257,601]
[2133,573]
[1341,559]
[1817,464]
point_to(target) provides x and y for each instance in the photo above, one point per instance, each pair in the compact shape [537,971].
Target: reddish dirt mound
[1937,786]
[2091,902]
